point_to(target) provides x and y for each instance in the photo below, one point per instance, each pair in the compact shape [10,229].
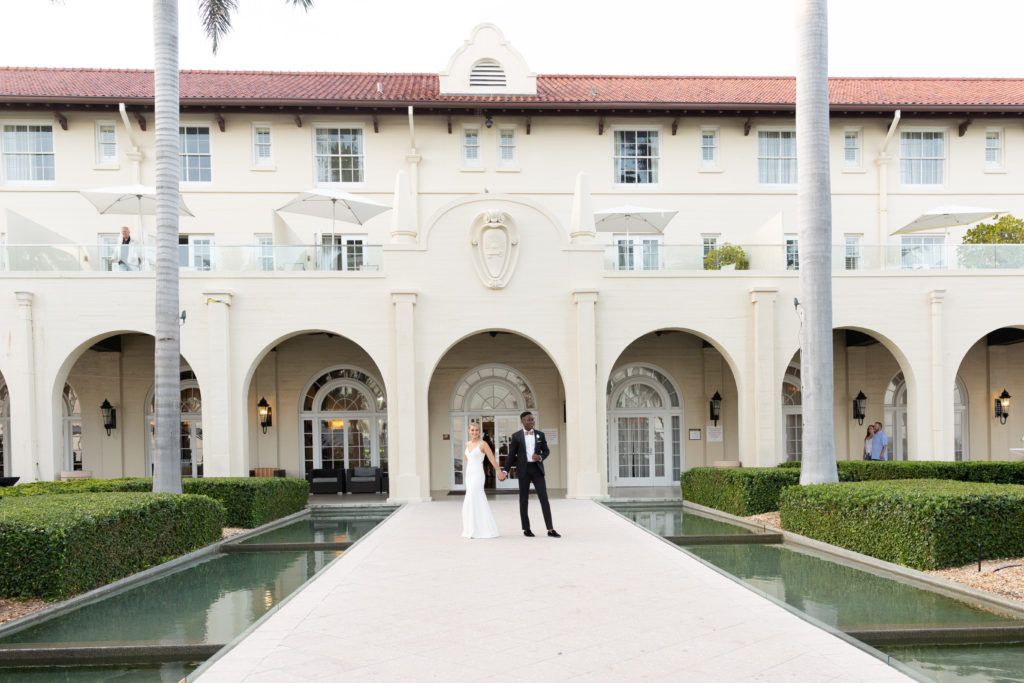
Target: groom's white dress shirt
[531,444]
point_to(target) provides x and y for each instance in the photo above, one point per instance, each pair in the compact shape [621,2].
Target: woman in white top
[867,442]
[477,520]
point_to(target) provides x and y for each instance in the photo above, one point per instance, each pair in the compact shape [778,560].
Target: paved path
[608,601]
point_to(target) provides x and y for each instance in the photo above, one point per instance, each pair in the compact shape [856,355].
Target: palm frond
[216,18]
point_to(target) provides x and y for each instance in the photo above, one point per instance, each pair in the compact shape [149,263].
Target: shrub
[252,501]
[53,546]
[920,523]
[725,255]
[995,472]
[739,491]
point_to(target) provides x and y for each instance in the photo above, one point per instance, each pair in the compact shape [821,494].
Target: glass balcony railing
[199,256]
[845,258]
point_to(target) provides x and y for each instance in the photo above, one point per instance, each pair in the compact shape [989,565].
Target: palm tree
[216,17]
[814,215]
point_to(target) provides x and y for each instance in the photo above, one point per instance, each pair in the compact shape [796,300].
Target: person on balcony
[126,255]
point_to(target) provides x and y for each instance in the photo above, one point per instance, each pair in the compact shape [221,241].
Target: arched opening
[659,420]
[71,423]
[469,385]
[190,441]
[792,414]
[344,421]
[896,417]
[994,363]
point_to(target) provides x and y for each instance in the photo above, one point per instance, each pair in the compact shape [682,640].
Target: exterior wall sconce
[109,416]
[1003,407]
[266,414]
[860,407]
[716,408]
[488,121]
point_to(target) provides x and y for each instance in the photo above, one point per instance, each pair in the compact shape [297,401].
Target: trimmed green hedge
[249,501]
[919,523]
[740,491]
[252,501]
[994,472]
[53,546]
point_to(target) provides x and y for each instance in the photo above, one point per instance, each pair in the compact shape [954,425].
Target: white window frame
[4,179]
[467,163]
[513,163]
[195,124]
[102,161]
[709,241]
[639,252]
[923,251]
[713,164]
[343,257]
[944,159]
[853,254]
[656,182]
[106,248]
[791,251]
[857,164]
[265,260]
[347,125]
[1000,166]
[262,163]
[779,130]
[196,242]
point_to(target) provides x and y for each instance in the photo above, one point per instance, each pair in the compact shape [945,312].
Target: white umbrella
[947,217]
[630,218]
[129,200]
[338,206]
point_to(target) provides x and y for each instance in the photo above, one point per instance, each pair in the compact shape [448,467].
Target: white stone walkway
[415,601]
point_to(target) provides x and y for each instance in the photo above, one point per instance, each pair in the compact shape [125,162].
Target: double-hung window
[107,246]
[195,252]
[265,252]
[922,251]
[106,144]
[471,147]
[792,251]
[507,155]
[776,157]
[339,154]
[27,152]
[851,252]
[993,149]
[708,243]
[708,148]
[851,149]
[194,150]
[638,252]
[637,155]
[262,146]
[922,157]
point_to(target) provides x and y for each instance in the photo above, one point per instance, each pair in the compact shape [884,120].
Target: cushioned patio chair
[362,479]
[325,481]
[266,472]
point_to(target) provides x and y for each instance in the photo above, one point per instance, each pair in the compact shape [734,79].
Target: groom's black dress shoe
[527,532]
[554,534]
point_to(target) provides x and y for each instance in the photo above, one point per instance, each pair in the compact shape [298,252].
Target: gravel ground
[1008,583]
[12,608]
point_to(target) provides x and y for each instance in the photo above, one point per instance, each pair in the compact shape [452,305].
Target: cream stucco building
[488,288]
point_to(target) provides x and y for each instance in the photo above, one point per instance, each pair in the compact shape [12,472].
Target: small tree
[724,255]
[986,240]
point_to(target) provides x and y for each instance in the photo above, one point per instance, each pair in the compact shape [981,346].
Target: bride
[477,521]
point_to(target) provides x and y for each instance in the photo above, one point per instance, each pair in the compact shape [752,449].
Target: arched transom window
[493,387]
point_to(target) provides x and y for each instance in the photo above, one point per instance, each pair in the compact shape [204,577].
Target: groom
[527,450]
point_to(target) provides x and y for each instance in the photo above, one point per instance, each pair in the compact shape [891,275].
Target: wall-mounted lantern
[109,416]
[860,404]
[716,408]
[266,414]
[1002,407]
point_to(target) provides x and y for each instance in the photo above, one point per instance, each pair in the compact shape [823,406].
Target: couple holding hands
[527,450]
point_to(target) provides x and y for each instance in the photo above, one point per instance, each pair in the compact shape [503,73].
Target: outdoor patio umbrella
[338,206]
[129,200]
[636,219]
[947,217]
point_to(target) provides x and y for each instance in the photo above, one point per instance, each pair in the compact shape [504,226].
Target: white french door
[639,455]
[191,445]
[344,442]
[498,429]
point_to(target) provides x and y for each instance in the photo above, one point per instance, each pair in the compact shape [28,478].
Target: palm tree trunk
[166,456]
[814,215]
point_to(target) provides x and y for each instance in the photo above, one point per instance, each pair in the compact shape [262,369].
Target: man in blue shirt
[879,444]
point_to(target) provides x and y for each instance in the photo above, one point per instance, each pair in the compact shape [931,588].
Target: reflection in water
[209,602]
[320,529]
[842,596]
[167,672]
[672,521]
[964,663]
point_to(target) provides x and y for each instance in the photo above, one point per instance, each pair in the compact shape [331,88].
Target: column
[767,403]
[942,388]
[583,461]
[25,462]
[223,435]
[409,477]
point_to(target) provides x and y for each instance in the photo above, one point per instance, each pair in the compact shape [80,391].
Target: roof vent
[487,73]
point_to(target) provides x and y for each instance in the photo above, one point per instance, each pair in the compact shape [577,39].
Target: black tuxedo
[530,472]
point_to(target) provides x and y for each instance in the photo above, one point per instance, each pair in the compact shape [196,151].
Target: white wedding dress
[477,520]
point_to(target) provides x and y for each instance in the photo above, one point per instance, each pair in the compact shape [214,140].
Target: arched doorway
[645,415]
[343,417]
[5,429]
[792,414]
[191,430]
[896,417]
[961,440]
[493,396]
[71,413]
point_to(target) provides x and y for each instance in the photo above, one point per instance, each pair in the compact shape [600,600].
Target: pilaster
[767,402]
[223,419]
[583,460]
[409,475]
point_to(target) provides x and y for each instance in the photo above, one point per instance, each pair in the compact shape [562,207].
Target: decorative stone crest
[495,240]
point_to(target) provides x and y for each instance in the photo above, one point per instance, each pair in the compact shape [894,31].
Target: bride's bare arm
[490,455]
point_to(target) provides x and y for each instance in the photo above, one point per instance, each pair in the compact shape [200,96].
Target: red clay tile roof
[227,88]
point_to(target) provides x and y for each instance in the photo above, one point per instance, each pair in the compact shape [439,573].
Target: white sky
[679,37]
